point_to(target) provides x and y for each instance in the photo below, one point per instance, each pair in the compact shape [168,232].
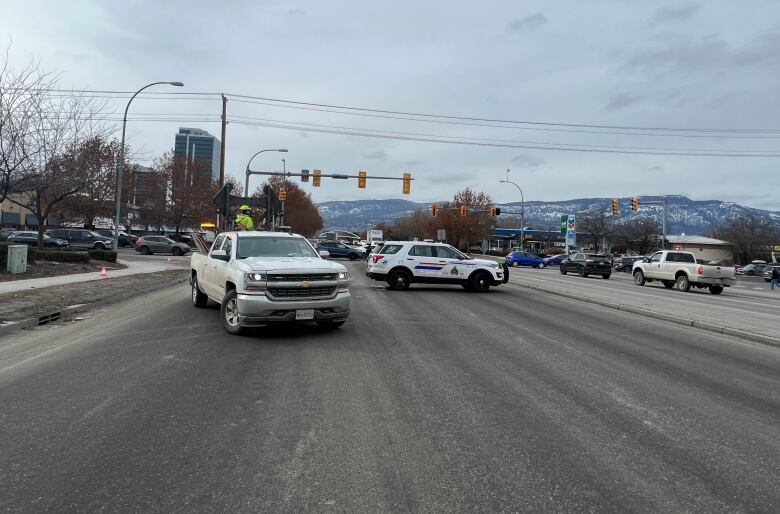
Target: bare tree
[189,190]
[594,225]
[639,235]
[300,213]
[751,236]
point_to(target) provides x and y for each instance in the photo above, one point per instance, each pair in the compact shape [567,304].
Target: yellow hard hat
[244,207]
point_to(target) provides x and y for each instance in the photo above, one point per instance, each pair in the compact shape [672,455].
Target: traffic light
[407,187]
[315,181]
[635,203]
[282,194]
[362,179]
[492,211]
[463,210]
[304,175]
[433,209]
[616,206]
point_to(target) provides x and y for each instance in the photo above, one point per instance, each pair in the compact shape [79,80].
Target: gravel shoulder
[39,302]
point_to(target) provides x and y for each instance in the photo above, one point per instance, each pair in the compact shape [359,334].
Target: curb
[701,325]
[14,326]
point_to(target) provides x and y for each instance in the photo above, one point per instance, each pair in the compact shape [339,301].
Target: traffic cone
[103,273]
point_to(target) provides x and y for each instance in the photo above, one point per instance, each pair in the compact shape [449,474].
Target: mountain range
[683,214]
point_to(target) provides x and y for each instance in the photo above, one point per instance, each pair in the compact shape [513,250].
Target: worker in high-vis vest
[244,219]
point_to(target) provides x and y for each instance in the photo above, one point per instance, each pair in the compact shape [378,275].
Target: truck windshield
[273,247]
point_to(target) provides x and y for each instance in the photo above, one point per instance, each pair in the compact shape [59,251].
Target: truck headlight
[343,275]
[254,277]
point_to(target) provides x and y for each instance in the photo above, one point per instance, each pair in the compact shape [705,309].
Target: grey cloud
[526,161]
[72,57]
[765,49]
[297,11]
[532,22]
[380,155]
[674,13]
[622,100]
[681,55]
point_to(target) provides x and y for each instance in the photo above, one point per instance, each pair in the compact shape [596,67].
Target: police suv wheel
[480,282]
[399,279]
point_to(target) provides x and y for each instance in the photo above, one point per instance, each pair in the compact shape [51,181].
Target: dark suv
[82,238]
[339,249]
[626,263]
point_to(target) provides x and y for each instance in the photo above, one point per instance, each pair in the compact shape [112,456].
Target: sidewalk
[133,268]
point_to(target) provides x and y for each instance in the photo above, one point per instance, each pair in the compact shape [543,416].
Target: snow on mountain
[684,215]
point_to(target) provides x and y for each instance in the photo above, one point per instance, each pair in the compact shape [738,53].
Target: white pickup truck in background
[260,278]
[680,269]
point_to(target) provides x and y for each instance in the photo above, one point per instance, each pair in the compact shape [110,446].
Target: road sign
[304,175]
[571,225]
[564,219]
[441,234]
[374,235]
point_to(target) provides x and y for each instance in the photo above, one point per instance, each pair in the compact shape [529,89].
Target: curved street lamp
[522,208]
[121,163]
[248,172]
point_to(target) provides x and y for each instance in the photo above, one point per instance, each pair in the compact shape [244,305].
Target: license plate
[304,314]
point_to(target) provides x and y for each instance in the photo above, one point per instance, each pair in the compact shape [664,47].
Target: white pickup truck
[681,269]
[260,278]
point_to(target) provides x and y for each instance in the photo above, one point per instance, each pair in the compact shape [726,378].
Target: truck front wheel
[683,284]
[229,313]
[639,278]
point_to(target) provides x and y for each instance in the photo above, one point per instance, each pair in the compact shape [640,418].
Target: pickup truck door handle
[409,259]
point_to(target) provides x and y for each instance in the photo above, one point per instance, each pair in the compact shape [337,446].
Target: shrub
[3,255]
[103,255]
[35,254]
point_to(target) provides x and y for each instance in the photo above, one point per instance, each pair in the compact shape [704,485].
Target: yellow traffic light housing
[616,206]
[463,210]
[635,203]
[407,186]
[282,195]
[433,209]
[362,179]
[315,180]
[492,211]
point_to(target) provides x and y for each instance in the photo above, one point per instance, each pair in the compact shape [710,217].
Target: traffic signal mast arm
[343,176]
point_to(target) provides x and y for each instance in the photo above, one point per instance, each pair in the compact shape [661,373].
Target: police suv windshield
[274,247]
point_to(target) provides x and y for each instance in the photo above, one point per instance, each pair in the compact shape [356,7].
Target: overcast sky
[713,64]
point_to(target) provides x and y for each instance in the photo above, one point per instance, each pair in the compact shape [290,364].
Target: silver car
[148,245]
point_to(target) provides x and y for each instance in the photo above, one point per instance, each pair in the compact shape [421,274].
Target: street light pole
[121,163]
[246,181]
[522,208]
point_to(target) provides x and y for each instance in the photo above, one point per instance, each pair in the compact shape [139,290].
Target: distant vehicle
[339,249]
[183,238]
[555,260]
[626,263]
[680,269]
[82,238]
[753,269]
[125,239]
[403,263]
[585,264]
[148,245]
[524,259]
[5,232]
[767,273]
[31,239]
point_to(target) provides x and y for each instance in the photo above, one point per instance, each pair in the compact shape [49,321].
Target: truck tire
[683,284]
[399,280]
[639,277]
[668,284]
[716,289]
[228,313]
[479,282]
[198,299]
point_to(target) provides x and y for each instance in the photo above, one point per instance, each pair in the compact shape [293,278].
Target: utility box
[17,259]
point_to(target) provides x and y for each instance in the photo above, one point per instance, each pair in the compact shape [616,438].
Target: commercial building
[196,145]
[704,248]
[16,216]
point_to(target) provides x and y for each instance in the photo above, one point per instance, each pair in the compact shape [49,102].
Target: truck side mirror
[219,255]
[324,254]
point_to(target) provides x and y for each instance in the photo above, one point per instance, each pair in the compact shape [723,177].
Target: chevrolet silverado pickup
[260,278]
[680,269]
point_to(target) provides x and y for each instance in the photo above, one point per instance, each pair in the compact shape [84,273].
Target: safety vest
[245,221]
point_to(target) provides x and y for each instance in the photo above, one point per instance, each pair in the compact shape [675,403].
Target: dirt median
[39,302]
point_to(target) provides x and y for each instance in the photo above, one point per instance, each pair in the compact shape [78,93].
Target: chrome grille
[301,292]
[301,277]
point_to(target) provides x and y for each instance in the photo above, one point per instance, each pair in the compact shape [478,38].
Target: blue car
[524,259]
[555,260]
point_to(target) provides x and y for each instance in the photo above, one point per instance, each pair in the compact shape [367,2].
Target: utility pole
[663,243]
[222,149]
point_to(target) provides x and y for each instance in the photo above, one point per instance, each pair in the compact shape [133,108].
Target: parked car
[626,263]
[339,249]
[524,259]
[182,238]
[767,273]
[753,270]
[125,239]
[148,245]
[5,232]
[585,264]
[555,260]
[82,238]
[31,239]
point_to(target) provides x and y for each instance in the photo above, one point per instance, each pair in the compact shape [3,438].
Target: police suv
[403,263]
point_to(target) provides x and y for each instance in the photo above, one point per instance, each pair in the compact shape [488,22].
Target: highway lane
[740,307]
[433,399]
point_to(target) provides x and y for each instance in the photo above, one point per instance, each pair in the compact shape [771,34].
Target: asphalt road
[429,400]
